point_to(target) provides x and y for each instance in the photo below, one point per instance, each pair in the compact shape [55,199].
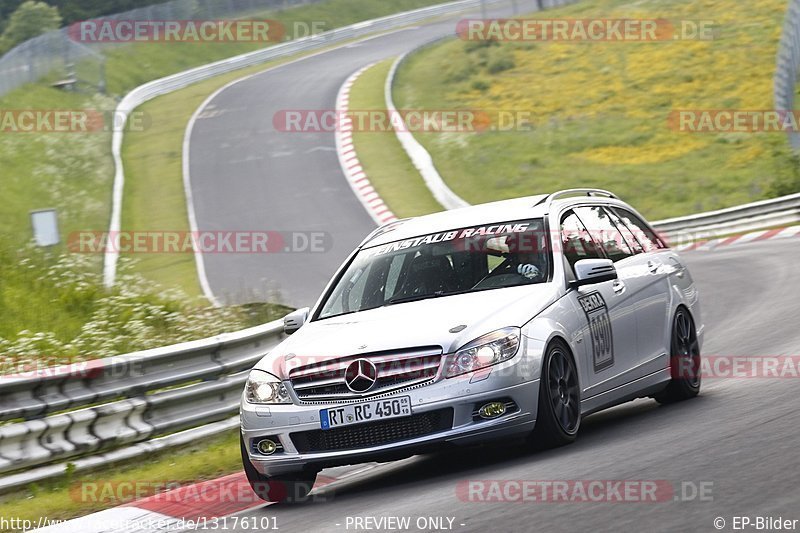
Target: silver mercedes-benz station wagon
[513,318]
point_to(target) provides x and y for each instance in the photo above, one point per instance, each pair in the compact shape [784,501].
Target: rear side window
[646,237]
[576,241]
[605,232]
[632,242]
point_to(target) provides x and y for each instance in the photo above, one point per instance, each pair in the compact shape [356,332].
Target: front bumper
[462,394]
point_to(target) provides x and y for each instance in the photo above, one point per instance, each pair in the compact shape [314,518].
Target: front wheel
[288,489]
[684,361]
[559,416]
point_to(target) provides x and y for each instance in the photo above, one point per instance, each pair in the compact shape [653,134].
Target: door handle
[618,286]
[653,267]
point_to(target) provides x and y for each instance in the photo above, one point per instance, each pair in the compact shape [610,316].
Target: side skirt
[639,388]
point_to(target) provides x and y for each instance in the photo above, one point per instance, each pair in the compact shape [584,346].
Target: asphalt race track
[247,176]
[739,436]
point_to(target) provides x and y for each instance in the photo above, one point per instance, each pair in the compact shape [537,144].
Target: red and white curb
[755,236]
[348,159]
[189,507]
[184,507]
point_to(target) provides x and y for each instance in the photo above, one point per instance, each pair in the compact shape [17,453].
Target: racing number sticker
[600,329]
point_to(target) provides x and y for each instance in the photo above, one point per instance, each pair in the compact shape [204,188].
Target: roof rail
[576,192]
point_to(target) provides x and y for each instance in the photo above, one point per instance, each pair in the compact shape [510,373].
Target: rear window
[605,232]
[646,237]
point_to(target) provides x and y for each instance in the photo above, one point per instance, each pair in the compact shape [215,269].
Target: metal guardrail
[106,404]
[180,80]
[783,211]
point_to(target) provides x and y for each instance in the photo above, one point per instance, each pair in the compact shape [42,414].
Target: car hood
[444,323]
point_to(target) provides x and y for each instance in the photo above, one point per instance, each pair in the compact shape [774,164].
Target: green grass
[154,196]
[28,302]
[61,499]
[68,171]
[385,162]
[599,110]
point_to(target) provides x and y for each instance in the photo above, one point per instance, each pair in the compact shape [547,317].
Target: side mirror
[590,271]
[294,320]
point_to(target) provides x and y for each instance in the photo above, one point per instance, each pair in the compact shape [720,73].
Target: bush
[56,310]
[481,85]
[472,46]
[460,69]
[29,20]
[75,10]
[787,181]
[500,59]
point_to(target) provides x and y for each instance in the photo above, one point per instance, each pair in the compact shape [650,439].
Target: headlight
[488,350]
[263,387]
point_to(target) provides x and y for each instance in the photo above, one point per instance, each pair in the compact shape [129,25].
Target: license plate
[359,413]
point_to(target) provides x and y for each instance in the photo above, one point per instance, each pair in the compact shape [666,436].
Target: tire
[559,416]
[287,489]
[684,361]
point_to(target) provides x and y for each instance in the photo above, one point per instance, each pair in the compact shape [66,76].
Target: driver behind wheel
[525,256]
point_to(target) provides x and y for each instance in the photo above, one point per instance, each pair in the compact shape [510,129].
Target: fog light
[492,410]
[266,446]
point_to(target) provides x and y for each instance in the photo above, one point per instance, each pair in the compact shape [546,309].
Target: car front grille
[395,370]
[373,433]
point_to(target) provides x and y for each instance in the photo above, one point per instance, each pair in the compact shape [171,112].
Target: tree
[29,20]
[75,10]
[6,8]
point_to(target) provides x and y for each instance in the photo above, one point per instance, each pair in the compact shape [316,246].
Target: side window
[604,231]
[576,241]
[649,240]
[633,244]
[349,293]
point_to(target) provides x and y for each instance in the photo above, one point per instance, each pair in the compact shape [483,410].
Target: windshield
[440,264]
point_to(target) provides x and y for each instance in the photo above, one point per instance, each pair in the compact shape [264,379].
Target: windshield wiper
[405,299]
[436,294]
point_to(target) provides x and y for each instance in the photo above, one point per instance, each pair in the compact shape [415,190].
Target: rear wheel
[684,361]
[289,489]
[559,416]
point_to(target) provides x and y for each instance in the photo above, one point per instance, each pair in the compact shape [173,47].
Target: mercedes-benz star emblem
[360,375]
